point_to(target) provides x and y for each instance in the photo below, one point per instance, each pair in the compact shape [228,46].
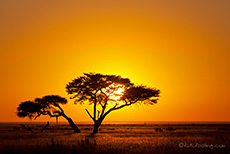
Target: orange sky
[180,47]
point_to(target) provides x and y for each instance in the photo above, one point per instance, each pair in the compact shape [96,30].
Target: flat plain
[140,138]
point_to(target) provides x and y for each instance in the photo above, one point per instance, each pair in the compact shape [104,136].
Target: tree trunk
[72,124]
[97,124]
[74,127]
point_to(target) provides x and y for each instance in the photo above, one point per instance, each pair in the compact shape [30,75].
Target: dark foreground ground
[116,139]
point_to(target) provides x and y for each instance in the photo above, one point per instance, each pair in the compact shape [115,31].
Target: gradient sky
[180,47]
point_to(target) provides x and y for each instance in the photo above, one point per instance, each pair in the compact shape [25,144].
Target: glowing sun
[115,91]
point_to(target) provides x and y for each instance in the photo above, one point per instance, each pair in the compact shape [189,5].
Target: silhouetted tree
[47,105]
[100,90]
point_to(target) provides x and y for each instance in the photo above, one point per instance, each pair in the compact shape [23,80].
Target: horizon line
[63,121]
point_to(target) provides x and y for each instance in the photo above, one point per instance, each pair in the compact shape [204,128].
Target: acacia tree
[47,105]
[108,93]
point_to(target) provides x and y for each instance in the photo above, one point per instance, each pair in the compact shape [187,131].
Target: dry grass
[114,139]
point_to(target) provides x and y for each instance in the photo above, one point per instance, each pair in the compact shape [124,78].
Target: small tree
[110,92]
[47,105]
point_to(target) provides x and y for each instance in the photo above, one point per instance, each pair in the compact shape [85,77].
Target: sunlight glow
[115,91]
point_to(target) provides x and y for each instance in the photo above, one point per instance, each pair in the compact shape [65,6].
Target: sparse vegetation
[114,139]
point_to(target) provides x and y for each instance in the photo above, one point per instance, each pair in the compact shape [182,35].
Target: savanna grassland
[116,138]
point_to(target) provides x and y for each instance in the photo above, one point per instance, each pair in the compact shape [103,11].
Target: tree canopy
[99,89]
[28,109]
[84,88]
[47,105]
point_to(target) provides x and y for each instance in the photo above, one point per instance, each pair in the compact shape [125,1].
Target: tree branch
[103,92]
[114,108]
[37,116]
[90,115]
[101,104]
[94,108]
[45,126]
[115,105]
[96,92]
[51,115]
[103,108]
[44,112]
[60,108]
[98,114]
